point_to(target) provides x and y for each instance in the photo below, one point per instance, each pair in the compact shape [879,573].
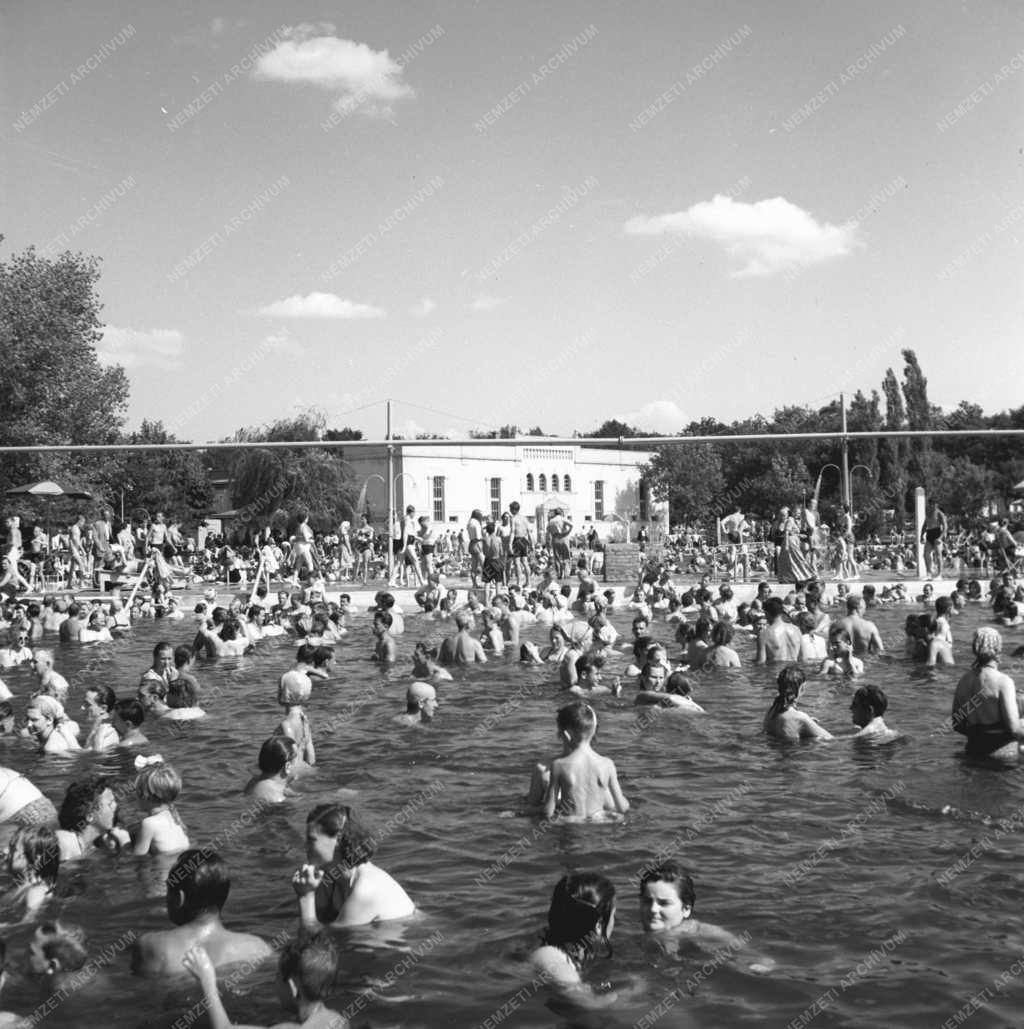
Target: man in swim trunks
[932,535]
[462,648]
[779,640]
[475,534]
[735,529]
[559,529]
[864,633]
[522,544]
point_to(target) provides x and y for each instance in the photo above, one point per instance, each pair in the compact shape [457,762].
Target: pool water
[840,862]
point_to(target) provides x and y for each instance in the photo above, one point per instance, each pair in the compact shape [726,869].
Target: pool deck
[362,596]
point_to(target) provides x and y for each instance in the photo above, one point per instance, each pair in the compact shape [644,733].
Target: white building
[591,484]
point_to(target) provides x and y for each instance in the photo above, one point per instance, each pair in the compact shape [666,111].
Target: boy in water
[384,650]
[583,784]
[307,971]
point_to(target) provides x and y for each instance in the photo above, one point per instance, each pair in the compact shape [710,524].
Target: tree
[280,483]
[919,416]
[614,429]
[55,391]
[689,476]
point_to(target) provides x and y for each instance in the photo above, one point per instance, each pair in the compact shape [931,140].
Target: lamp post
[126,488]
[817,485]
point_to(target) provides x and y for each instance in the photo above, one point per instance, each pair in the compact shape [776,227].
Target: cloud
[137,348]
[769,236]
[313,55]
[319,305]
[422,307]
[487,303]
[657,416]
[280,343]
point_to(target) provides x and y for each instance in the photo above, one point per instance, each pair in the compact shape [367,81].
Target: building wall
[520,471]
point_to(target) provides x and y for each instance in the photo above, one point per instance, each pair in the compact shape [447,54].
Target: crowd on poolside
[513,596]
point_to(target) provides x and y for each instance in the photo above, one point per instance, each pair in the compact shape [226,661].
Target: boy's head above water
[308,970]
[577,722]
[666,897]
[198,884]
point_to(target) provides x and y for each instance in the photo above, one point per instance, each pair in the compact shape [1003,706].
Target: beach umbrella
[49,490]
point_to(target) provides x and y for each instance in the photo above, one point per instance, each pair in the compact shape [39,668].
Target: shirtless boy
[462,649]
[779,640]
[864,633]
[583,784]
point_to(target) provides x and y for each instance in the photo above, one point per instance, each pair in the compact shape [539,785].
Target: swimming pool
[853,868]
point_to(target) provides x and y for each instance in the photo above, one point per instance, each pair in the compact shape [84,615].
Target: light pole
[817,485]
[126,488]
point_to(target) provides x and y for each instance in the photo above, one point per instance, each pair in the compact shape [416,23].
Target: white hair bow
[144,762]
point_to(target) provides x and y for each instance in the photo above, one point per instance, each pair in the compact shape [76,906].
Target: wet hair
[943,605]
[311,962]
[80,802]
[702,630]
[105,695]
[321,655]
[581,908]
[64,944]
[679,684]
[304,655]
[840,635]
[181,693]
[773,608]
[873,698]
[276,753]
[725,591]
[789,681]
[202,876]
[853,602]
[41,849]
[578,719]
[131,711]
[806,622]
[674,873]
[158,782]
[354,844]
[588,663]
[161,646]
[385,619]
[182,656]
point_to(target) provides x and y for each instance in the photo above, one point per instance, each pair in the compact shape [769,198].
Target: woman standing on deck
[792,564]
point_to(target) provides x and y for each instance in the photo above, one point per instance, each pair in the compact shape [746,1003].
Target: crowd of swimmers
[339,885]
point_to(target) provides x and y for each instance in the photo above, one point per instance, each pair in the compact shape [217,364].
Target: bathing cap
[988,643]
[51,708]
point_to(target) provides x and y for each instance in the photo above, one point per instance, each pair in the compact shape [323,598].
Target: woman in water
[340,885]
[783,720]
[985,706]
[582,915]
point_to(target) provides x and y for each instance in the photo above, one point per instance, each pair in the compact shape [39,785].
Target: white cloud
[136,348]
[313,55]
[280,343]
[657,416]
[487,303]
[769,236]
[319,305]
[422,307]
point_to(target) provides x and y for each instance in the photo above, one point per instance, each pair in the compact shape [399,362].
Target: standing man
[559,529]
[475,536]
[522,544]
[76,544]
[932,535]
[735,529]
[102,537]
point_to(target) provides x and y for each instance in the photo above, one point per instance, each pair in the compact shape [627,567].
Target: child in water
[783,720]
[307,971]
[582,784]
[277,758]
[33,861]
[841,660]
[667,898]
[158,787]
[582,914]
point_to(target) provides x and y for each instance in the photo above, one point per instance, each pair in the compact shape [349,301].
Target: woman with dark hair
[784,720]
[340,885]
[88,819]
[581,917]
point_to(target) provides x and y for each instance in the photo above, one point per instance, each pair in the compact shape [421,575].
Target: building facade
[591,484]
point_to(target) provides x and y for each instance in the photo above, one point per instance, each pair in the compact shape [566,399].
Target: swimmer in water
[384,649]
[867,709]
[424,665]
[583,784]
[293,692]
[420,705]
[783,720]
[307,971]
[841,660]
[278,756]
[33,861]
[162,830]
[667,898]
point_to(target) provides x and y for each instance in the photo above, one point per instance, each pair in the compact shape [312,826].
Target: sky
[530,213]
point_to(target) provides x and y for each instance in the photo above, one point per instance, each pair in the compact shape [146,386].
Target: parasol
[49,490]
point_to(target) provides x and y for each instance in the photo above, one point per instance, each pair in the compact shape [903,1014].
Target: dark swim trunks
[520,546]
[492,570]
[735,537]
[933,535]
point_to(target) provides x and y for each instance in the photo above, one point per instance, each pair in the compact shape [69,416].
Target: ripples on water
[763,811]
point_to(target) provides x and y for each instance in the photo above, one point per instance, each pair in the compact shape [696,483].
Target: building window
[529,482]
[543,480]
[567,485]
[439,498]
[645,501]
[554,483]
[495,499]
[599,499]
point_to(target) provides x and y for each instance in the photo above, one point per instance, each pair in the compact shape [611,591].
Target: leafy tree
[55,391]
[613,429]
[690,477]
[919,416]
